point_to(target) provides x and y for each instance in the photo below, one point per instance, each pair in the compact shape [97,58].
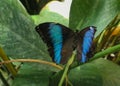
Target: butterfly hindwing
[85,42]
[55,36]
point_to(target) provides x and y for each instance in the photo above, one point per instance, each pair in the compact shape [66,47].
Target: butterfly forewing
[55,36]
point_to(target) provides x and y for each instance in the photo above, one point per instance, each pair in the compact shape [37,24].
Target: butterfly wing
[85,42]
[55,36]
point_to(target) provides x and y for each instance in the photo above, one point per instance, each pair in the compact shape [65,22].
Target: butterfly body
[61,41]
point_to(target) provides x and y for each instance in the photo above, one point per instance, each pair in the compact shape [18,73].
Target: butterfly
[62,41]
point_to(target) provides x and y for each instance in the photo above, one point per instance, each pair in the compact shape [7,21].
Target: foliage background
[19,40]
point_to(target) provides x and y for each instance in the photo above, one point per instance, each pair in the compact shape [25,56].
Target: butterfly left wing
[85,39]
[55,36]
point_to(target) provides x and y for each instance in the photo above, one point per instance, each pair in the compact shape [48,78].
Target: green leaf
[17,34]
[93,13]
[48,16]
[100,72]
[33,75]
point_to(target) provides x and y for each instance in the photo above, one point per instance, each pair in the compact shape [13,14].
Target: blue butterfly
[61,41]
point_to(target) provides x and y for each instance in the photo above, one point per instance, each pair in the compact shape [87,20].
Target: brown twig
[33,61]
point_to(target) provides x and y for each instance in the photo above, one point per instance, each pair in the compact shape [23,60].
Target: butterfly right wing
[85,42]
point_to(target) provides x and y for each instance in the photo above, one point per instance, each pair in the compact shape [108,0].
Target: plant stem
[9,66]
[70,61]
[105,52]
